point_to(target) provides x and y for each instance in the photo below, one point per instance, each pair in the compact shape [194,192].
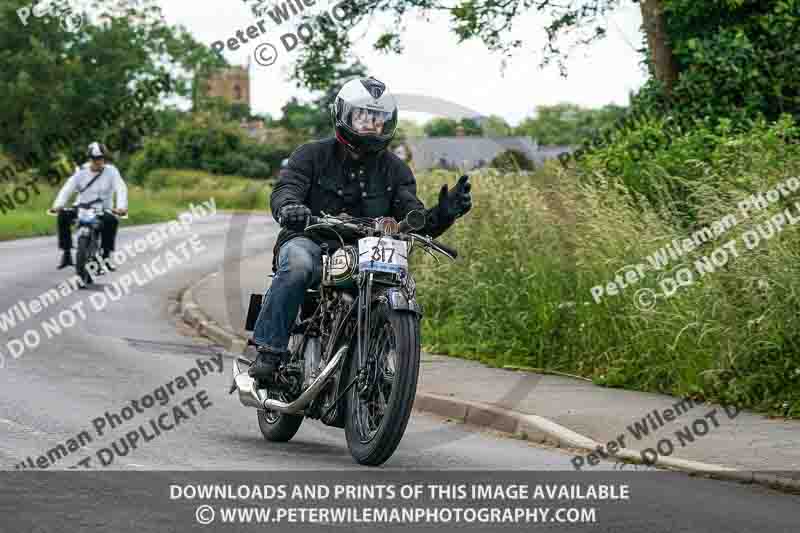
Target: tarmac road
[59,392]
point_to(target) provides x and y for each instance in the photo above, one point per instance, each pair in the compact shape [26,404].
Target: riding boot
[266,363]
[106,264]
[66,260]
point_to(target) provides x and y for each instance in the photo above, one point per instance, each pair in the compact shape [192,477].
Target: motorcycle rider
[96,180]
[351,173]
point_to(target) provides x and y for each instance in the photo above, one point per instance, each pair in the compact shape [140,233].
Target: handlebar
[54,213]
[404,228]
[450,251]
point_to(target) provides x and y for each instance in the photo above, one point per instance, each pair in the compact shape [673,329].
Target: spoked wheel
[275,426]
[379,404]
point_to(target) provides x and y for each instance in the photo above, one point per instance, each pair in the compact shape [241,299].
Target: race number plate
[382,255]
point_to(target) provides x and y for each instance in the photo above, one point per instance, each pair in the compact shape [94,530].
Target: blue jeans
[299,269]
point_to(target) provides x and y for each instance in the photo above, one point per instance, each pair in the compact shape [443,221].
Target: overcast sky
[435,64]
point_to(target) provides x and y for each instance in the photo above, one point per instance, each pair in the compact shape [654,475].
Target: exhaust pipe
[252,397]
[248,394]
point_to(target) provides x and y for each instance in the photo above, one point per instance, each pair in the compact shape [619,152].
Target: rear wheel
[278,427]
[379,404]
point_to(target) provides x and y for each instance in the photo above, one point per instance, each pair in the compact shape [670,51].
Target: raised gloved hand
[458,201]
[294,217]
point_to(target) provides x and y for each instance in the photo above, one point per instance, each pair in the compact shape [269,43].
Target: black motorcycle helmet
[365,116]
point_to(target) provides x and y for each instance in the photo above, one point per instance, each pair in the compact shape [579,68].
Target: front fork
[366,360]
[398,300]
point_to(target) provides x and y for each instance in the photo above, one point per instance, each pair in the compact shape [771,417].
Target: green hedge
[532,249]
[205,142]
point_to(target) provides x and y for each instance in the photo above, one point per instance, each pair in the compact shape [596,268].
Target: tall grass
[534,246]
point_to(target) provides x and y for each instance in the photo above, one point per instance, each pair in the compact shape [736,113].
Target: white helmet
[365,116]
[97,150]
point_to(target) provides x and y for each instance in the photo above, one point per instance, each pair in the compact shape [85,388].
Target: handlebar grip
[449,250]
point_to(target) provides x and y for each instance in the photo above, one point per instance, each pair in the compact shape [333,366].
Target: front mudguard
[399,300]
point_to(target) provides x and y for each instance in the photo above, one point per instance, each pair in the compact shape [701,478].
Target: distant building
[232,84]
[472,152]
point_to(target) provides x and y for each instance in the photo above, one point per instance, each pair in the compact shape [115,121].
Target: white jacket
[104,187]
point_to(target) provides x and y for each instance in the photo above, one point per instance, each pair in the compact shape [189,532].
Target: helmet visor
[366,121]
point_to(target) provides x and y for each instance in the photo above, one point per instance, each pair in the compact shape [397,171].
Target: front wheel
[82,258]
[379,404]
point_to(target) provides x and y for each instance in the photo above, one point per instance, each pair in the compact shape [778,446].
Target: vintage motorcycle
[355,346]
[90,228]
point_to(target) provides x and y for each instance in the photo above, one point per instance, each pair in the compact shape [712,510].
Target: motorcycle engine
[311,356]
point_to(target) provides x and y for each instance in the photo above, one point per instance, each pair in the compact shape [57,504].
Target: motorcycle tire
[278,427]
[82,258]
[374,450]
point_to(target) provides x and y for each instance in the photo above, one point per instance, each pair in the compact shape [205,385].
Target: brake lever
[435,257]
[429,243]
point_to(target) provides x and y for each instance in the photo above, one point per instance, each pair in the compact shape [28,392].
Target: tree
[440,127]
[408,129]
[471,127]
[79,85]
[495,126]
[723,59]
[567,124]
[314,118]
[447,127]
[583,21]
[307,118]
[654,22]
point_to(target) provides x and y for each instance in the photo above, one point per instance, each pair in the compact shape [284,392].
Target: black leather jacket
[322,176]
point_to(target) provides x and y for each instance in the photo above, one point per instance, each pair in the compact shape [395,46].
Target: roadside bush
[512,160]
[520,294]
[205,142]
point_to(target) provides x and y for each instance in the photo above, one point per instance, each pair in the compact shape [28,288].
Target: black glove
[294,217]
[457,202]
